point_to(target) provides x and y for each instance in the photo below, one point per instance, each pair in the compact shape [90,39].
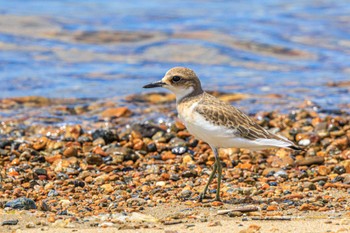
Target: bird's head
[181,81]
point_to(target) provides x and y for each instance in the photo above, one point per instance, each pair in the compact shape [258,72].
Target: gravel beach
[96,166]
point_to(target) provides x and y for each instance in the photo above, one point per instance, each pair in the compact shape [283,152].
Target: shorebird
[215,122]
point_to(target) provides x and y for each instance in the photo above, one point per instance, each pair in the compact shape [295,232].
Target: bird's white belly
[222,137]
[219,137]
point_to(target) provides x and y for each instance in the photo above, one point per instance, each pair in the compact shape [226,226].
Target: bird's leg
[219,168]
[212,174]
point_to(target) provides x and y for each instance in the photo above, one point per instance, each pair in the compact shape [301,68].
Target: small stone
[235,214]
[51,219]
[272,208]
[108,188]
[186,193]
[310,161]
[189,173]
[310,185]
[43,206]
[40,171]
[187,159]
[116,112]
[94,159]
[177,142]
[136,202]
[179,150]
[147,130]
[21,203]
[108,135]
[217,203]
[151,147]
[30,225]
[40,144]
[304,142]
[99,142]
[106,224]
[346,179]
[214,224]
[124,153]
[160,183]
[9,222]
[73,131]
[174,177]
[323,170]
[339,170]
[168,155]
[307,206]
[70,152]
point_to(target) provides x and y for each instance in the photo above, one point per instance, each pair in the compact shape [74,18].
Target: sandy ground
[311,222]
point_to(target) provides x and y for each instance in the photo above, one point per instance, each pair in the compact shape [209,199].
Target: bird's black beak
[155,84]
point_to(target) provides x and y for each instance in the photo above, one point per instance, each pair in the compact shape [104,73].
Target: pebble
[107,135]
[94,159]
[21,203]
[10,222]
[108,188]
[339,170]
[30,225]
[179,150]
[310,161]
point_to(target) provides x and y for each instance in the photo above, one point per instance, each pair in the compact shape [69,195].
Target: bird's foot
[202,196]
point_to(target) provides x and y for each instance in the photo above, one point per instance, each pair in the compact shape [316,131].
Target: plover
[215,122]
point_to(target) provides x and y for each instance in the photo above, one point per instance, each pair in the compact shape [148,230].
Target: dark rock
[39,159]
[339,170]
[78,183]
[322,182]
[94,159]
[310,185]
[40,171]
[151,147]
[273,183]
[193,143]
[108,135]
[5,143]
[10,222]
[21,203]
[337,179]
[190,173]
[146,129]
[179,150]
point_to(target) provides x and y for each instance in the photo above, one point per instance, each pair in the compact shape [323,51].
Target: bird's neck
[188,94]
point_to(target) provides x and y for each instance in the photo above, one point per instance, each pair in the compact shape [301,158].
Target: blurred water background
[291,50]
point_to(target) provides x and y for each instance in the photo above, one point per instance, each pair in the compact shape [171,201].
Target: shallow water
[103,49]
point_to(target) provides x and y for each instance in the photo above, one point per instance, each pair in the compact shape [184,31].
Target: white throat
[181,93]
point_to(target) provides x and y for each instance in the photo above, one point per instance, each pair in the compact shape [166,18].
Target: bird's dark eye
[176,78]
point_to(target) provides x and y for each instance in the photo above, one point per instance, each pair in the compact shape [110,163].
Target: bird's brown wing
[220,113]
